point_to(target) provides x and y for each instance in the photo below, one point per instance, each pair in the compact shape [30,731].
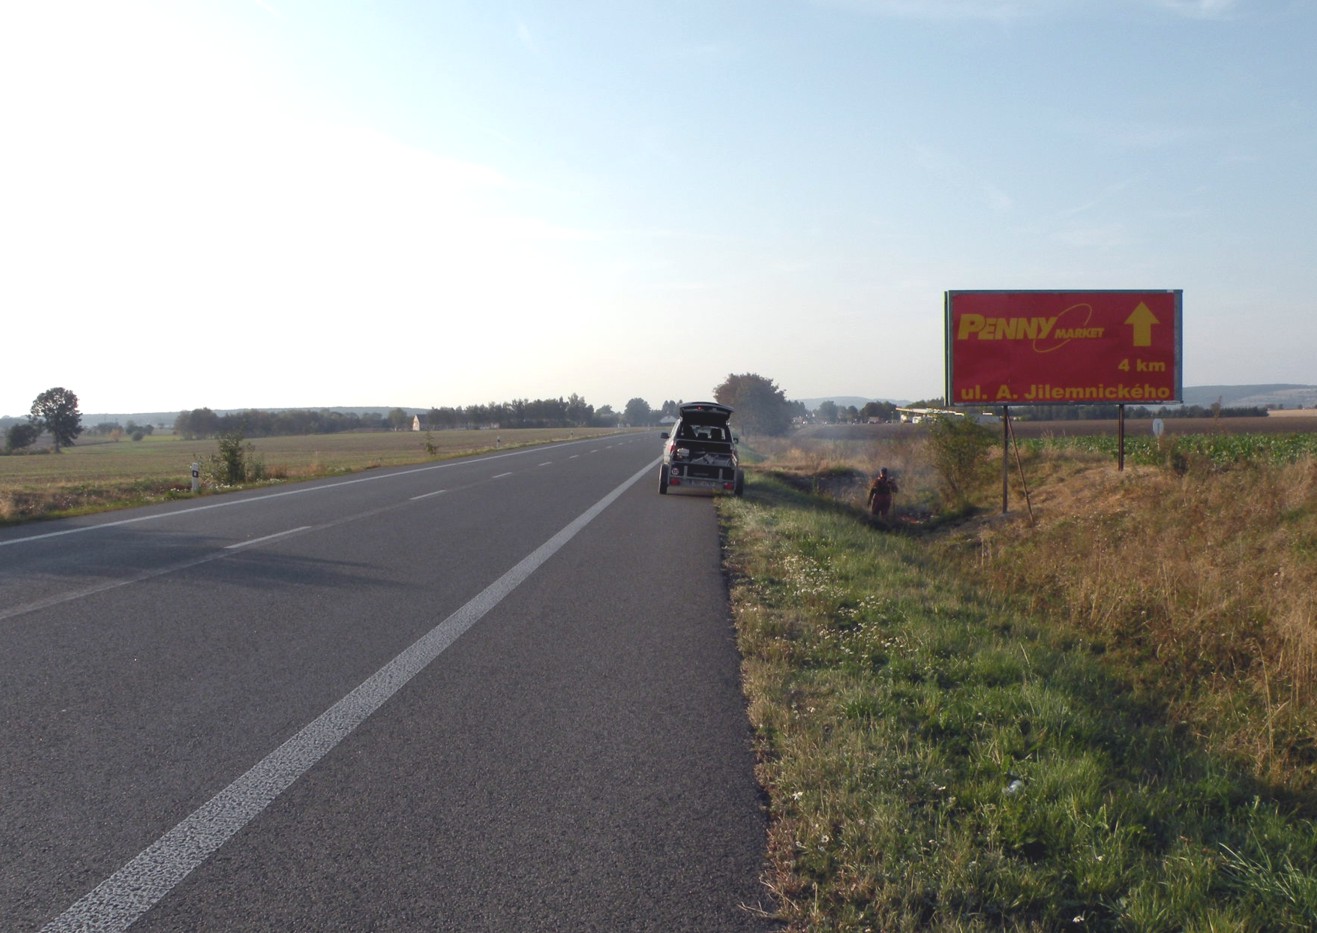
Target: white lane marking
[278,534]
[500,475]
[121,899]
[427,495]
[376,477]
[547,463]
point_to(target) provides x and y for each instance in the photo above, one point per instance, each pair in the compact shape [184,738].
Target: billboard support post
[1120,438]
[1005,458]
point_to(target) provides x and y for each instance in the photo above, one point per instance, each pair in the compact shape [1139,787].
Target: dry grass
[1206,582]
[1201,586]
[938,757]
[841,469]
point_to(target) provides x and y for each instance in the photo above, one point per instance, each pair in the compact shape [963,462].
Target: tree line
[573,411]
[761,408]
[203,422]
[831,413]
[115,430]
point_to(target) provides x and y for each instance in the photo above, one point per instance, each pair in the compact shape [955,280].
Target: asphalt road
[492,694]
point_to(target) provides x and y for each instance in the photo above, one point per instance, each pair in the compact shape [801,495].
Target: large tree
[399,419]
[761,407]
[56,411]
[882,411]
[638,412]
[579,412]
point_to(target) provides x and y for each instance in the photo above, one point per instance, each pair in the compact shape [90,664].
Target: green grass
[937,760]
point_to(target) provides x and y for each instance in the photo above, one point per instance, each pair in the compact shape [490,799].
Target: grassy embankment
[93,476]
[1104,719]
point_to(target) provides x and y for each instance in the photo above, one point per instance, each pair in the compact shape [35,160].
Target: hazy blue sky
[278,203]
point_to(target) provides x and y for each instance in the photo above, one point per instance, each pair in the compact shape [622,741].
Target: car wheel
[739,488]
[663,481]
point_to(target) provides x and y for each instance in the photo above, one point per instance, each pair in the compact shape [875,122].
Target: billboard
[1063,348]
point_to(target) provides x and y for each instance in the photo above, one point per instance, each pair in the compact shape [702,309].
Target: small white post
[196,477]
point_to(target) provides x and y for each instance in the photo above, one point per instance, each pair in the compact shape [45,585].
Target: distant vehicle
[700,452]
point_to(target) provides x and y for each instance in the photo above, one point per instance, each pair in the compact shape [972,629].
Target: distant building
[916,415]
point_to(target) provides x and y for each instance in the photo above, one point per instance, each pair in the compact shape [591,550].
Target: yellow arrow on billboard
[1142,320]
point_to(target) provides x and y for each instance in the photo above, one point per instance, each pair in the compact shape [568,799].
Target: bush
[234,464]
[959,449]
[23,434]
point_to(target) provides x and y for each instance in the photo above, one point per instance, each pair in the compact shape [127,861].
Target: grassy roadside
[96,476]
[942,757]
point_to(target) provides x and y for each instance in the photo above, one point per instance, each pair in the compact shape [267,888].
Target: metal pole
[1120,439]
[1005,457]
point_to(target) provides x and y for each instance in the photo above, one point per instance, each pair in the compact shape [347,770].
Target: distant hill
[1255,396]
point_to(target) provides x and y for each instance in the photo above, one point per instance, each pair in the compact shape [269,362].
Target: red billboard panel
[1060,348]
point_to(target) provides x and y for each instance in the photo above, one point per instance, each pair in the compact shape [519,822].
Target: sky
[417,203]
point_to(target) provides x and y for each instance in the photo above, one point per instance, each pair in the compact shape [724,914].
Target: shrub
[959,449]
[23,434]
[234,463]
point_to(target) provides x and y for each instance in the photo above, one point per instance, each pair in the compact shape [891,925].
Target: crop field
[1277,440]
[1218,449]
[165,457]
[1291,423]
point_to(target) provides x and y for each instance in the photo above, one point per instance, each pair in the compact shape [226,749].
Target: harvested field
[97,474]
